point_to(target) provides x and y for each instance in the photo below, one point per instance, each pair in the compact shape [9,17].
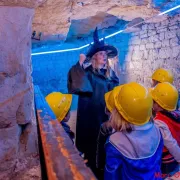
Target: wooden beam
[62,159]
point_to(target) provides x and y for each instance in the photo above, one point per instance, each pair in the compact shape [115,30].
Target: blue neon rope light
[111,35]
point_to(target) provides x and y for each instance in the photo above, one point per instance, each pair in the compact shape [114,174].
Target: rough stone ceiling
[55,16]
[22,3]
[61,19]
[82,27]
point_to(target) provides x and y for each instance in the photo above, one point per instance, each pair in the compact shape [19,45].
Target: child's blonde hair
[118,123]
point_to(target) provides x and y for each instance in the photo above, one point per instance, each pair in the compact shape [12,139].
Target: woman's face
[101,57]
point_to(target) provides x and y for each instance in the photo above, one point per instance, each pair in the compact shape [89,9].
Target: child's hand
[85,161]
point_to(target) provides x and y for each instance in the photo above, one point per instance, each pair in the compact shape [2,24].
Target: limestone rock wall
[156,45]
[16,89]
[54,17]
[21,3]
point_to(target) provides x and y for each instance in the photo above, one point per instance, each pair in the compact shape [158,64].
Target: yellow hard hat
[150,90]
[109,98]
[163,75]
[59,103]
[134,103]
[166,95]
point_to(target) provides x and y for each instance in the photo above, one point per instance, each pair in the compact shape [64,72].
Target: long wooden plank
[61,157]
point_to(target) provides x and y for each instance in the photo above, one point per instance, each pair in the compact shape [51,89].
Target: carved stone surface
[22,3]
[16,97]
[55,16]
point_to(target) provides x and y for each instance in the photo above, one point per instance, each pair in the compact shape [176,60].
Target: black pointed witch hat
[101,46]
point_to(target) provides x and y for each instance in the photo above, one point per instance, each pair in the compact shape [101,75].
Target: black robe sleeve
[104,133]
[78,82]
[113,82]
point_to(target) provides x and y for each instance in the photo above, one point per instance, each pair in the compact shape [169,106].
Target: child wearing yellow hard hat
[165,97]
[60,105]
[162,75]
[134,150]
[105,131]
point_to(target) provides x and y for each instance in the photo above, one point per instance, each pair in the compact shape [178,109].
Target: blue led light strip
[111,35]
[176,7]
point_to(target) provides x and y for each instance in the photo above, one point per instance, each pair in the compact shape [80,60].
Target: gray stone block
[142,47]
[158,44]
[174,41]
[176,51]
[165,23]
[150,46]
[145,41]
[165,43]
[151,26]
[161,36]
[162,29]
[146,54]
[165,53]
[136,48]
[152,32]
[170,34]
[173,27]
[145,35]
[145,27]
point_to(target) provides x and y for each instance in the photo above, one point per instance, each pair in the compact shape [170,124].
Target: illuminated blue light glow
[111,35]
[65,50]
[75,49]
[106,37]
[176,7]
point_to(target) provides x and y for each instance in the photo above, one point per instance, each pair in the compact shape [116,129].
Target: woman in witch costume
[91,83]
